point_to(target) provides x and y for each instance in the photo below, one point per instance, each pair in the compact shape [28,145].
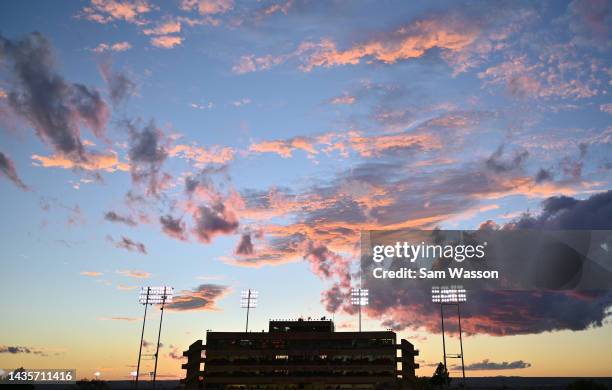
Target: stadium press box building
[300,354]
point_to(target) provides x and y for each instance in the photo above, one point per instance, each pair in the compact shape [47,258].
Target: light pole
[152,296]
[359,298]
[450,296]
[248,300]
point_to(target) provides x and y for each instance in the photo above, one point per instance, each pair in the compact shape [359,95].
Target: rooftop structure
[299,354]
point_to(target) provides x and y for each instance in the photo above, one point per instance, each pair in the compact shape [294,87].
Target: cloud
[105,11]
[501,312]
[489,365]
[175,353]
[202,298]
[147,154]
[589,20]
[173,227]
[564,212]
[168,27]
[135,274]
[93,274]
[112,216]
[7,169]
[284,148]
[343,99]
[280,7]
[14,350]
[202,156]
[129,244]
[362,144]
[413,40]
[95,162]
[208,7]
[558,71]
[214,220]
[251,63]
[496,164]
[122,319]
[116,47]
[55,108]
[124,287]
[119,85]
[241,102]
[543,175]
[166,41]
[245,246]
[607,108]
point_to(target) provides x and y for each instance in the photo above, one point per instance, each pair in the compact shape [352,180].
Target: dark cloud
[147,154]
[7,169]
[174,227]
[486,364]
[175,353]
[326,263]
[500,312]
[191,184]
[18,349]
[543,175]
[112,216]
[245,246]
[203,297]
[214,220]
[497,164]
[129,244]
[120,86]
[54,107]
[564,212]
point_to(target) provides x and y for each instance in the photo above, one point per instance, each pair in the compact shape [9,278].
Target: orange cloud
[166,41]
[369,146]
[126,319]
[365,146]
[105,11]
[411,41]
[95,162]
[202,298]
[202,156]
[284,148]
[93,274]
[135,274]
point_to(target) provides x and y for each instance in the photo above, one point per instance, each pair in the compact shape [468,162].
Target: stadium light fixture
[360,297]
[159,295]
[248,300]
[450,295]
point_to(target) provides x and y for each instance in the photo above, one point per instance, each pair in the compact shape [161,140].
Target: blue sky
[216,145]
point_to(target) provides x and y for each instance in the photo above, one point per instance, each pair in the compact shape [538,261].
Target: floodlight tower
[152,296]
[248,300]
[450,296]
[359,298]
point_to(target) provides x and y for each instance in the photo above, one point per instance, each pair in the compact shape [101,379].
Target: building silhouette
[300,354]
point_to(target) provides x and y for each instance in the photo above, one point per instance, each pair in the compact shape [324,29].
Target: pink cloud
[166,41]
[105,11]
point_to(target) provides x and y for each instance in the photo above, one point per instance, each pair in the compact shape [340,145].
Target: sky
[221,145]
